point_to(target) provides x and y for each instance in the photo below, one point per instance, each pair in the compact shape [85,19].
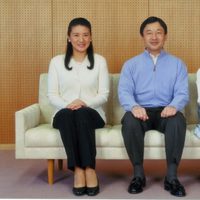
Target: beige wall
[32,31]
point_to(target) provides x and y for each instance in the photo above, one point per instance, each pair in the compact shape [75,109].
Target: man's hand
[168,111]
[76,104]
[140,113]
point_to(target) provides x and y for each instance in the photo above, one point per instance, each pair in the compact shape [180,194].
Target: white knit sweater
[91,86]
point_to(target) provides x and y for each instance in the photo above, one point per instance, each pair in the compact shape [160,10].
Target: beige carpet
[28,179]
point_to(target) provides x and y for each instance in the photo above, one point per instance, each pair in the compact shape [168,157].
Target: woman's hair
[69,49]
[150,20]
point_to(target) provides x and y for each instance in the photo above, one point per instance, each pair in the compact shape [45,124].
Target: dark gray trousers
[174,129]
[77,130]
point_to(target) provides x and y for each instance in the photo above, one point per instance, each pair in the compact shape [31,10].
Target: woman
[197,129]
[78,86]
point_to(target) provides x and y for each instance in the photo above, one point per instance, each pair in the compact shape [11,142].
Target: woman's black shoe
[92,191]
[79,191]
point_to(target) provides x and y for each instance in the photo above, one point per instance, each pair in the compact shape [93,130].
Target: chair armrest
[25,119]
[28,117]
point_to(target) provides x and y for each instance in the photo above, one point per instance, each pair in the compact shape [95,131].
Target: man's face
[154,37]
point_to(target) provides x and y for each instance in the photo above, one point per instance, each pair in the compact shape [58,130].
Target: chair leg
[50,171]
[60,164]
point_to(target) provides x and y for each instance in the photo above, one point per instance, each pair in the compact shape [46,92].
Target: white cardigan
[198,86]
[91,86]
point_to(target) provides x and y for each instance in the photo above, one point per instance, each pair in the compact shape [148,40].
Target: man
[153,89]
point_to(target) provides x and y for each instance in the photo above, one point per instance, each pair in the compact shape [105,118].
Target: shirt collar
[162,53]
[154,58]
[74,63]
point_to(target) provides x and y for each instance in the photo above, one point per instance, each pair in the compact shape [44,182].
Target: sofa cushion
[46,136]
[109,136]
[43,136]
[112,137]
[118,111]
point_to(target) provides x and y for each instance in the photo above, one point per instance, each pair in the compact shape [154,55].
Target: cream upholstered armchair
[36,139]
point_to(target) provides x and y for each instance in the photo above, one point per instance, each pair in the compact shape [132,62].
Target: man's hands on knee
[168,111]
[140,113]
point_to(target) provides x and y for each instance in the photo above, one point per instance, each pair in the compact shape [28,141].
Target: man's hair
[150,20]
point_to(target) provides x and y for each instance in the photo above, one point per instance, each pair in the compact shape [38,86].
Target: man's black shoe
[174,187]
[136,185]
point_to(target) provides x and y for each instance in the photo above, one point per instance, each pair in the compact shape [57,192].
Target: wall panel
[25,50]
[32,31]
[115,26]
[182,18]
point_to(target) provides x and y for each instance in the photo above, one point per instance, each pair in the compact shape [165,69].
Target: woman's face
[80,38]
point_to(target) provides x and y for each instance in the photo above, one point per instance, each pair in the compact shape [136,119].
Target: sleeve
[53,87]
[126,89]
[181,91]
[198,86]
[103,87]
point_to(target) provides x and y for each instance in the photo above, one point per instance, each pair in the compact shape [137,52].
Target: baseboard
[7,146]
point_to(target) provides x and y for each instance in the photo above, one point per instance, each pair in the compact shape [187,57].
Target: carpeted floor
[28,179]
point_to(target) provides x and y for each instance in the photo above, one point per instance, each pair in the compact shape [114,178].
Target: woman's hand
[76,104]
